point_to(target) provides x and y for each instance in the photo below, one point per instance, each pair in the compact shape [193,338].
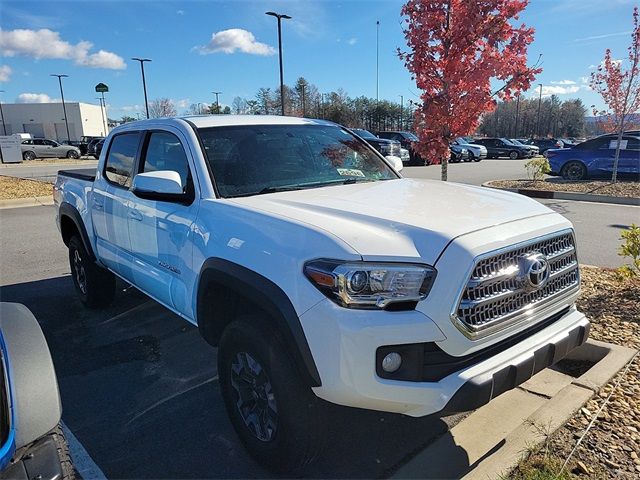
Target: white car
[320,273]
[476,152]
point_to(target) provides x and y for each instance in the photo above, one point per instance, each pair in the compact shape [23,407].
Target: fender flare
[268,296]
[68,210]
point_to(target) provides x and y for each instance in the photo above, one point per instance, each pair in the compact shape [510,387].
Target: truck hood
[398,219]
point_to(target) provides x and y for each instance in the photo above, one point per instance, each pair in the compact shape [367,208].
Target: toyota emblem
[534,271]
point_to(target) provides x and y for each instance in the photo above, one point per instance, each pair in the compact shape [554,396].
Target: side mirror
[161,185]
[396,162]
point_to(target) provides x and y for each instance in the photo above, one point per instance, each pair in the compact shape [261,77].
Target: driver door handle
[135,215]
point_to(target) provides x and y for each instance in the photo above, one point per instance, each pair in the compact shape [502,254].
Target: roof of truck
[203,121]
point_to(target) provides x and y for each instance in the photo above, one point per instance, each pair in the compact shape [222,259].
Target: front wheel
[28,156]
[72,154]
[513,155]
[574,170]
[95,285]
[277,417]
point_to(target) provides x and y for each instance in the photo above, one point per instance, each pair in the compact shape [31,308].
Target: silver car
[33,148]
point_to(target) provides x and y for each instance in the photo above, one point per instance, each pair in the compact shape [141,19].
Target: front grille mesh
[496,292]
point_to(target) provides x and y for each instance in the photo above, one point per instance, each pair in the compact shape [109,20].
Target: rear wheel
[574,170]
[72,154]
[95,285]
[513,155]
[29,156]
[277,417]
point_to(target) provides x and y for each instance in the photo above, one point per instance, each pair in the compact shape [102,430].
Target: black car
[91,146]
[503,147]
[384,146]
[545,144]
[406,140]
[98,148]
[83,144]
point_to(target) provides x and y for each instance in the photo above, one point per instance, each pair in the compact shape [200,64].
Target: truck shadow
[139,390]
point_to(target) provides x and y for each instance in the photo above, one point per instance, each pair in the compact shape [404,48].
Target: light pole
[4,127]
[303,103]
[377,58]
[144,82]
[64,108]
[538,121]
[401,112]
[217,102]
[280,16]
[515,134]
[103,109]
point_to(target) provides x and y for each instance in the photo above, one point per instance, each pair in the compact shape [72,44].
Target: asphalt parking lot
[139,386]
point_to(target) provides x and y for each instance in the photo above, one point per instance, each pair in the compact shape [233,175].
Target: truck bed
[88,174]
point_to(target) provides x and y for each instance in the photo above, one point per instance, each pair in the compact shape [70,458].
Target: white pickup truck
[320,273]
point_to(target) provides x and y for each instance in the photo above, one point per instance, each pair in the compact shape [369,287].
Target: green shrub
[537,168]
[630,248]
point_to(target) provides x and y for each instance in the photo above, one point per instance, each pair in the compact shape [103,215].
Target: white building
[46,120]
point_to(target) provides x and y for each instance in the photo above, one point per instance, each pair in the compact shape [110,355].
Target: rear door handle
[135,214]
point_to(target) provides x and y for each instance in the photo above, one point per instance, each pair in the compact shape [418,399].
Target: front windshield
[410,136]
[516,142]
[256,159]
[507,141]
[364,133]
[461,141]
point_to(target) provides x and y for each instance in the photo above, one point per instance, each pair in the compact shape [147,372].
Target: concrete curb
[491,440]
[26,202]
[582,197]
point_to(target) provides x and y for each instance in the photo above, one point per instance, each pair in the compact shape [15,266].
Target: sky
[230,46]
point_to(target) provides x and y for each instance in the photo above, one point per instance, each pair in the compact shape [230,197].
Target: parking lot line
[82,461]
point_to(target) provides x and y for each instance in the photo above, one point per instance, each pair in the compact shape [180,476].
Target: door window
[39,141]
[165,152]
[120,159]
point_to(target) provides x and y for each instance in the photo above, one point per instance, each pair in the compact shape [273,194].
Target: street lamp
[377,57]
[401,112]
[144,83]
[538,121]
[280,16]
[4,127]
[64,108]
[217,102]
[103,110]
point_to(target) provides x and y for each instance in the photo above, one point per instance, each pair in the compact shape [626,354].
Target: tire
[477,159]
[68,470]
[72,154]
[95,285]
[513,155]
[29,155]
[574,170]
[471,157]
[253,362]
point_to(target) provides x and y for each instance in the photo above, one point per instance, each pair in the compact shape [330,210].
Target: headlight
[371,285]
[385,148]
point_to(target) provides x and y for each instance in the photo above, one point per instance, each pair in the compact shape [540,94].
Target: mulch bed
[622,188]
[611,449]
[11,187]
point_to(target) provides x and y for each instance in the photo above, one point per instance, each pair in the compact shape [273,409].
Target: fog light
[391,362]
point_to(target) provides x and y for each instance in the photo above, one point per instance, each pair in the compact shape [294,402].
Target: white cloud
[183,103]
[45,43]
[563,82]
[33,98]
[131,108]
[352,41]
[598,37]
[584,80]
[5,73]
[234,40]
[548,90]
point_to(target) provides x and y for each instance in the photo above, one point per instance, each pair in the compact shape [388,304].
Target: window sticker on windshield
[350,172]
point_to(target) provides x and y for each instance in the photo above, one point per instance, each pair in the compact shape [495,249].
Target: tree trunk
[614,176]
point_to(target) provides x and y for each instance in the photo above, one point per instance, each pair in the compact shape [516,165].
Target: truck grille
[498,292]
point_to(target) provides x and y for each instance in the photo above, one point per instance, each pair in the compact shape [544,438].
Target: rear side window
[165,152]
[120,159]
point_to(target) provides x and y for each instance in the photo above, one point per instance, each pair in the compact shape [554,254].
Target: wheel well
[68,229]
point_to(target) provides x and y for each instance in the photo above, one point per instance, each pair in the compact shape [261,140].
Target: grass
[11,188]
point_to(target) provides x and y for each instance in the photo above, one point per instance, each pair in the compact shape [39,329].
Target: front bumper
[344,343]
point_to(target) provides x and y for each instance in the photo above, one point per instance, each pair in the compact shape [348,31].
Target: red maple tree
[620,89]
[456,48]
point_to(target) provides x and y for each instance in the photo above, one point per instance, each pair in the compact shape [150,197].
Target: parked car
[545,144]
[405,156]
[384,146]
[320,274]
[33,148]
[502,147]
[534,150]
[32,444]
[91,146]
[97,149]
[458,154]
[406,140]
[476,151]
[84,143]
[595,157]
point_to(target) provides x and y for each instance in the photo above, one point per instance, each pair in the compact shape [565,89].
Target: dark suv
[503,147]
[91,146]
[384,146]
[406,139]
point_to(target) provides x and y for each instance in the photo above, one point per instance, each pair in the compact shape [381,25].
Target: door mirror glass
[158,185]
[396,162]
